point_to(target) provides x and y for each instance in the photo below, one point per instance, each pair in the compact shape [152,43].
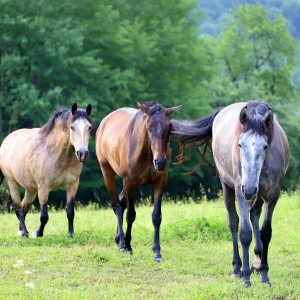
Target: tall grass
[196,247]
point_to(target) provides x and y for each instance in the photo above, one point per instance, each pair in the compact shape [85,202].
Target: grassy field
[196,247]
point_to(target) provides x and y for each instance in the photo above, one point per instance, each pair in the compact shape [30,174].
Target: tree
[257,55]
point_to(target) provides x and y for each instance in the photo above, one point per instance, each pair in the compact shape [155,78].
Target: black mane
[64,115]
[155,107]
[255,119]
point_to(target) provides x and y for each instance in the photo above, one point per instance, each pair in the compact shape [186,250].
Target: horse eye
[90,128]
[265,147]
[72,127]
[240,145]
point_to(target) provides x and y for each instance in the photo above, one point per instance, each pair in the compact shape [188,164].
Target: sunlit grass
[196,247]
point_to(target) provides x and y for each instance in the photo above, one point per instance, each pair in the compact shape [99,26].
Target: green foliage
[111,53]
[257,47]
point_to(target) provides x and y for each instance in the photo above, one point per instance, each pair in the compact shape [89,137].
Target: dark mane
[140,115]
[64,115]
[255,119]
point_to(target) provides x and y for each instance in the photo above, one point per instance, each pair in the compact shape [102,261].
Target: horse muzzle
[160,164]
[82,155]
[249,193]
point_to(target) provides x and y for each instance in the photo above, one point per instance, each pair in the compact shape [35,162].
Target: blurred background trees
[111,53]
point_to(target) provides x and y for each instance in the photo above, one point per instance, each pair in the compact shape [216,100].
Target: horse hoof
[70,235]
[117,239]
[236,275]
[34,235]
[122,249]
[129,250]
[267,282]
[254,270]
[19,233]
[158,258]
[247,283]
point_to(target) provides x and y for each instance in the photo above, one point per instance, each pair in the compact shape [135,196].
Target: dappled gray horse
[251,153]
[44,159]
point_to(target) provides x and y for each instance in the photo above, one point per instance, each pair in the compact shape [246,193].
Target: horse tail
[198,131]
[1,177]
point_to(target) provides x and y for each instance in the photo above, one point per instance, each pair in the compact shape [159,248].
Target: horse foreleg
[233,224]
[70,215]
[43,199]
[245,236]
[266,235]
[71,193]
[156,220]
[255,213]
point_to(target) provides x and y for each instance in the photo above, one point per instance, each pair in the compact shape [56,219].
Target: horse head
[257,124]
[158,126]
[80,127]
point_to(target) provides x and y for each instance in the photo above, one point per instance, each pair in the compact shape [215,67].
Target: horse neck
[59,139]
[143,147]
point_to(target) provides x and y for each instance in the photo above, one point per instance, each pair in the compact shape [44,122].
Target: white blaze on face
[80,134]
[158,128]
[252,156]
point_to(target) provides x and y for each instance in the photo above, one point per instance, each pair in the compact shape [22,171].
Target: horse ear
[142,107]
[89,109]
[170,110]
[243,115]
[74,108]
[268,118]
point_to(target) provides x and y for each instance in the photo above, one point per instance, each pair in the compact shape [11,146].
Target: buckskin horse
[251,153]
[45,159]
[134,144]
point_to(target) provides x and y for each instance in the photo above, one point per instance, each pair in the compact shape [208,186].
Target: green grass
[196,247]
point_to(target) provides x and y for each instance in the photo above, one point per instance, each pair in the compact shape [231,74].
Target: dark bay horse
[134,144]
[45,159]
[251,153]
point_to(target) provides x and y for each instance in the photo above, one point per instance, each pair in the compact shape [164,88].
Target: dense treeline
[110,53]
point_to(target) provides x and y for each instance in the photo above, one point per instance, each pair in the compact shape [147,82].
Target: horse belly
[15,159]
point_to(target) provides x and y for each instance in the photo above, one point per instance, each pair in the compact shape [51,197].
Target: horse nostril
[243,189]
[255,191]
[82,154]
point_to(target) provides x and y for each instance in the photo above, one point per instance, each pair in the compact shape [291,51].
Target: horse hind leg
[233,224]
[14,189]
[29,197]
[110,183]
[255,213]
[130,218]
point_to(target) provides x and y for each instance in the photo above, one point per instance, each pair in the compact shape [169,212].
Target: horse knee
[246,237]
[130,216]
[156,219]
[44,215]
[266,235]
[70,211]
